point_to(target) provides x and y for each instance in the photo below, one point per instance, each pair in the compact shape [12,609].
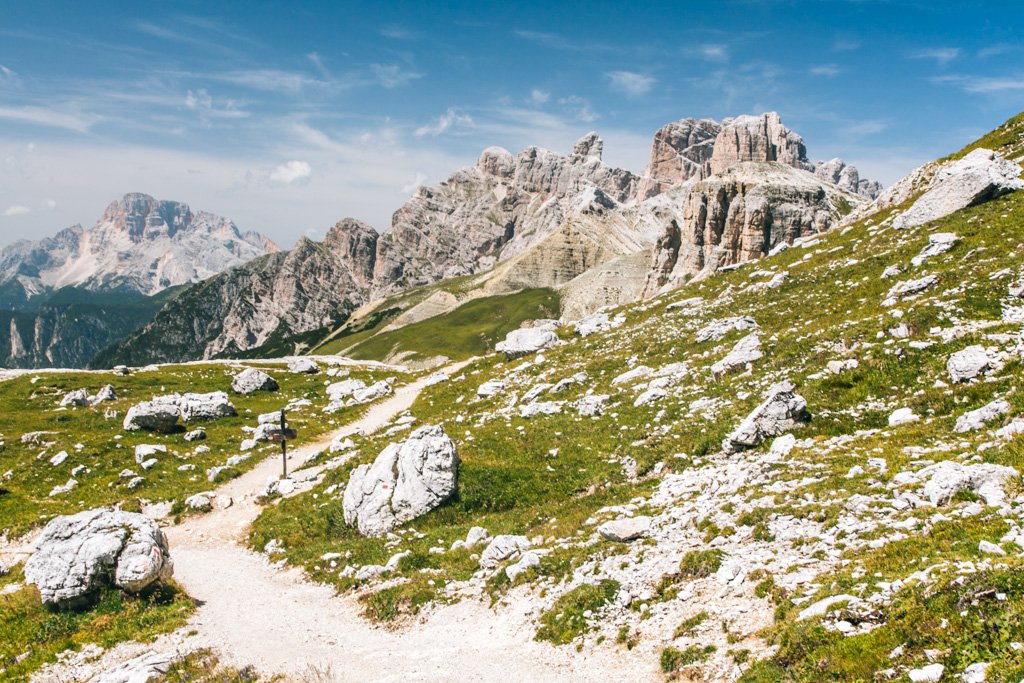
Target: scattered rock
[976,419]
[903,416]
[978,177]
[597,322]
[947,478]
[781,411]
[77,554]
[927,674]
[406,480]
[967,364]
[76,398]
[491,387]
[503,548]
[152,666]
[209,406]
[151,416]
[536,408]
[527,561]
[990,548]
[746,350]
[304,366]
[195,435]
[525,341]
[252,380]
[592,405]
[938,243]
[626,529]
[720,328]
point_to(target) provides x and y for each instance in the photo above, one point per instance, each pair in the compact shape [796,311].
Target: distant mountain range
[64,298]
[713,194]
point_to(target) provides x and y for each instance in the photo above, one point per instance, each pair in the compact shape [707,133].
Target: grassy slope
[470,330]
[26,478]
[830,302]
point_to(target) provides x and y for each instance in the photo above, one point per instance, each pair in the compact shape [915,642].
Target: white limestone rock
[152,666]
[968,363]
[938,243]
[903,416]
[76,398]
[536,408]
[626,529]
[151,416]
[77,554]
[303,366]
[406,480]
[976,419]
[210,406]
[592,405]
[947,478]
[501,548]
[978,177]
[719,328]
[251,380]
[490,388]
[525,341]
[781,411]
[746,350]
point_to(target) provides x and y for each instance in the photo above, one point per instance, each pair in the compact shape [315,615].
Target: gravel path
[252,612]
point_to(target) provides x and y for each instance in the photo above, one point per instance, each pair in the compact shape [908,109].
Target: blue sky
[288,116]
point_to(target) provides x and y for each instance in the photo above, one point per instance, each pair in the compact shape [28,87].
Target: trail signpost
[284,434]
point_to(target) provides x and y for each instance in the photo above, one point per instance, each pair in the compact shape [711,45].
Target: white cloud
[631,83]
[291,172]
[582,109]
[539,97]
[715,52]
[7,75]
[44,116]
[444,122]
[940,55]
[397,32]
[392,75]
[17,210]
[49,204]
[415,184]
[827,70]
[198,100]
[982,85]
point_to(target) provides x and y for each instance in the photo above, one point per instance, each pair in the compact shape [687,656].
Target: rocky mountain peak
[497,162]
[354,243]
[590,145]
[757,138]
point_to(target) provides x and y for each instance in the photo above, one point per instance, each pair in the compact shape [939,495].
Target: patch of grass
[699,564]
[32,635]
[688,625]
[674,659]
[565,621]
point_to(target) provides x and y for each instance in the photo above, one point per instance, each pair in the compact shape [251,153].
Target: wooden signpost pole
[284,449]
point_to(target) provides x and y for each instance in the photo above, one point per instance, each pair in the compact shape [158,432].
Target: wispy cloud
[982,84]
[270,80]
[826,70]
[7,76]
[715,51]
[17,210]
[539,97]
[631,83]
[44,116]
[998,49]
[318,62]
[416,183]
[393,75]
[845,45]
[445,122]
[940,55]
[556,41]
[580,108]
[397,32]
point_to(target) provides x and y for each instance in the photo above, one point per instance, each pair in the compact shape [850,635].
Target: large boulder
[205,406]
[151,416]
[252,380]
[968,363]
[976,419]
[978,177]
[408,479]
[947,478]
[304,366]
[77,554]
[525,341]
[782,410]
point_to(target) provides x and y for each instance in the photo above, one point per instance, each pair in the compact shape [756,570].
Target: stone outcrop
[525,341]
[782,411]
[742,214]
[76,555]
[151,416]
[846,177]
[407,479]
[251,380]
[978,177]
